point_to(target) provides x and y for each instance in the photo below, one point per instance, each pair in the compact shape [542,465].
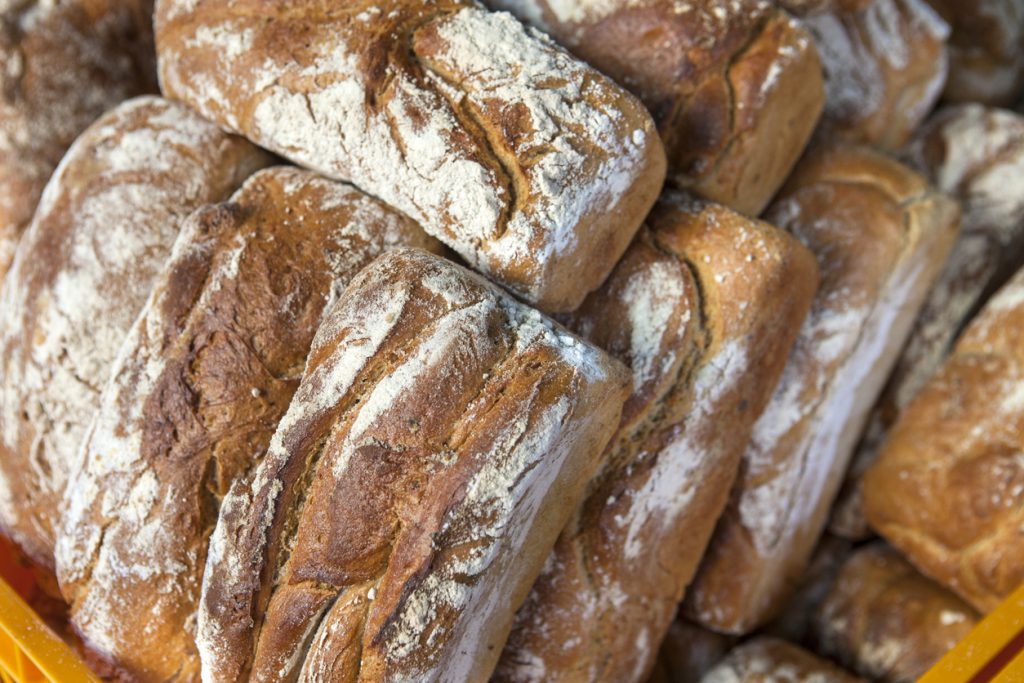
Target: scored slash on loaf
[534,167]
[459,428]
[704,308]
[202,380]
[104,228]
[735,86]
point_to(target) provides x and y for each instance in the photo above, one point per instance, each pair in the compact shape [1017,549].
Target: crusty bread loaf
[688,652]
[531,165]
[881,235]
[977,156]
[64,64]
[885,67]
[948,488]
[103,230]
[201,381]
[704,309]
[769,660]
[439,440]
[885,621]
[986,50]
[734,86]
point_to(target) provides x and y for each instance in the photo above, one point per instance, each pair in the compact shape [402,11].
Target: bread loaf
[885,621]
[881,235]
[734,86]
[976,155]
[103,230]
[885,67]
[203,377]
[65,63]
[440,437]
[769,660]
[986,50]
[704,309]
[948,488]
[532,166]
[688,652]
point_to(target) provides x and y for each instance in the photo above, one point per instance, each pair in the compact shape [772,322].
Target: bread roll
[704,309]
[887,622]
[948,488]
[535,168]
[881,235]
[203,377]
[64,64]
[440,437]
[885,67]
[976,155]
[688,652]
[103,230]
[986,50]
[769,660]
[734,86]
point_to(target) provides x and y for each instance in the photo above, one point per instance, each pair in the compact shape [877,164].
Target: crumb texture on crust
[460,428]
[958,446]
[534,167]
[201,381]
[103,230]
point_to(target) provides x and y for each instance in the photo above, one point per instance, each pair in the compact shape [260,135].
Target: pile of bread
[530,340]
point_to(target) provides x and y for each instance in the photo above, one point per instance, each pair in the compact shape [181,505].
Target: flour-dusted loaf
[734,86]
[885,621]
[104,228]
[948,488]
[885,67]
[704,309]
[986,50]
[531,165]
[770,660]
[202,380]
[688,652]
[440,438]
[881,235]
[64,64]
[975,154]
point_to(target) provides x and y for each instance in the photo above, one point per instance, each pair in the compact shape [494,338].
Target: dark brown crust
[768,660]
[885,621]
[471,369]
[228,329]
[741,290]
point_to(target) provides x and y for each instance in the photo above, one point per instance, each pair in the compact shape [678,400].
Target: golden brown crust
[986,50]
[885,621]
[460,428]
[885,67]
[704,309]
[881,236]
[769,660]
[203,378]
[957,447]
[65,63]
[734,87]
[103,230]
[531,165]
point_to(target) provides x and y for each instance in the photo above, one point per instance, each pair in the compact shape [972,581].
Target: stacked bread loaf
[523,341]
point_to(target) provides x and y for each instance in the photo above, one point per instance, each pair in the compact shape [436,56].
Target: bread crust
[704,309]
[956,447]
[734,87]
[881,235]
[976,155]
[460,427]
[885,621]
[885,68]
[65,63]
[767,660]
[104,228]
[203,377]
[532,166]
